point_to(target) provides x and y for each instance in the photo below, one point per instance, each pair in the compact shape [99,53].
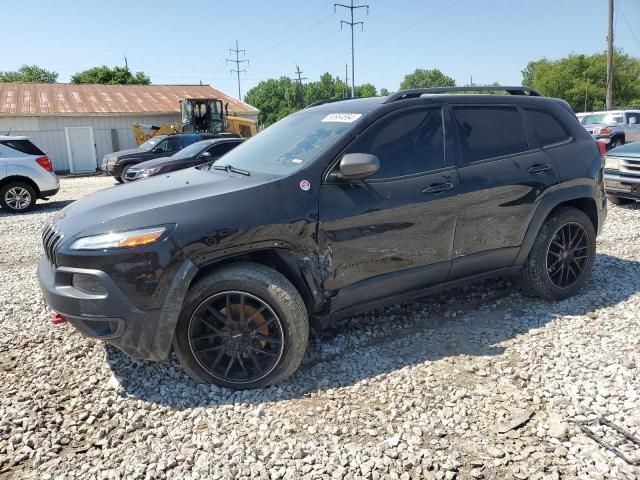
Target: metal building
[78,124]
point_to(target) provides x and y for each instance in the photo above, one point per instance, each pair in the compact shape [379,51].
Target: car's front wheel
[123,175]
[17,197]
[243,326]
[561,258]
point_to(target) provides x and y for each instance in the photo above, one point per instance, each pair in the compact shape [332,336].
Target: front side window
[407,143]
[172,144]
[221,149]
[545,127]
[489,132]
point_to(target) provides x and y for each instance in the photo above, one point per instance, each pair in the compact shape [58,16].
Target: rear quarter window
[25,147]
[545,127]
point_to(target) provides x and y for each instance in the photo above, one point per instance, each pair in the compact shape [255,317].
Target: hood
[130,152]
[631,150]
[165,199]
[155,162]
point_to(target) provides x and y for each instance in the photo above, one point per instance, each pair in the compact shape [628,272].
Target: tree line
[578,79]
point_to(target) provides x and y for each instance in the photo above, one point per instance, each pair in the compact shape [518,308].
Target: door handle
[539,168]
[438,188]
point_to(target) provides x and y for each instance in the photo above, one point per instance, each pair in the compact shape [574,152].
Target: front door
[502,176]
[81,149]
[393,232]
[633,127]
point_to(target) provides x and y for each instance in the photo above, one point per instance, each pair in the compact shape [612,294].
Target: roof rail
[418,92]
[332,100]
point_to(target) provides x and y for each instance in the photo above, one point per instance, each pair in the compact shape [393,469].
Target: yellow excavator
[200,115]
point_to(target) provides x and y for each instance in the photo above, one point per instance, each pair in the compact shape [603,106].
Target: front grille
[630,166]
[51,239]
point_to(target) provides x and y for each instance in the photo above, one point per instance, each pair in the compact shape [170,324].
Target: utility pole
[352,24]
[300,83]
[126,65]
[237,61]
[346,80]
[609,101]
[586,91]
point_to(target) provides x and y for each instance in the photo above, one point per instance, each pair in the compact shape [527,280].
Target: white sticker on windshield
[296,160]
[342,117]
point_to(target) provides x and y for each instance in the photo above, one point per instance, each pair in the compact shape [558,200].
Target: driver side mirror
[205,154]
[357,166]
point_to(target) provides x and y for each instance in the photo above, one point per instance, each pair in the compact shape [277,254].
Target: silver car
[26,174]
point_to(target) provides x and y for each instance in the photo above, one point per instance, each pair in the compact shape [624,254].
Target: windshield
[191,150]
[292,143]
[602,118]
[149,144]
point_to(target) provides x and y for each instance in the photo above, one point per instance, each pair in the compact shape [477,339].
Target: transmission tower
[351,7]
[238,62]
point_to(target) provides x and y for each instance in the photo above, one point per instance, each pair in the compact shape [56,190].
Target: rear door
[503,173]
[393,232]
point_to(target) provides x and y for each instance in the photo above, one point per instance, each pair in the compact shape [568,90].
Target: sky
[188,41]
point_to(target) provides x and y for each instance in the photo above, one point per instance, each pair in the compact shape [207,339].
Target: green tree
[112,76]
[421,78]
[384,92]
[580,78]
[30,73]
[366,90]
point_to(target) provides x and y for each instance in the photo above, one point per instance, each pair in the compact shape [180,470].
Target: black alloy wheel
[568,255]
[236,337]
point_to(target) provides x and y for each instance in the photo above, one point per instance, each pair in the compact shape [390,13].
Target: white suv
[26,174]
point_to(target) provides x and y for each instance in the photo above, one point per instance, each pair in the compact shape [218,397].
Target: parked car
[339,208]
[117,163]
[622,174]
[204,151]
[26,174]
[615,127]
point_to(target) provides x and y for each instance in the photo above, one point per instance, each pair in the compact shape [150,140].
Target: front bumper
[111,168]
[625,186]
[111,316]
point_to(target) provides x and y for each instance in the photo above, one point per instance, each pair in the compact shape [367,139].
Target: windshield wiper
[231,168]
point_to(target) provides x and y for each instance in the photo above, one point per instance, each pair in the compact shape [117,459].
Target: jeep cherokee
[338,208]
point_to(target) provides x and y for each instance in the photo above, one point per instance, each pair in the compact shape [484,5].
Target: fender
[547,204]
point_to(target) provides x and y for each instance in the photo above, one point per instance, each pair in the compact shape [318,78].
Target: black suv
[338,208]
[117,163]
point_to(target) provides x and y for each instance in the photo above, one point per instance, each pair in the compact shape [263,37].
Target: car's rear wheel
[244,326]
[560,261]
[619,200]
[617,142]
[17,197]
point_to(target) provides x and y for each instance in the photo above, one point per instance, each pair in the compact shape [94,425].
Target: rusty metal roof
[69,99]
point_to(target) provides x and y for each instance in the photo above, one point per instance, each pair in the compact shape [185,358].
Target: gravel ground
[478,382]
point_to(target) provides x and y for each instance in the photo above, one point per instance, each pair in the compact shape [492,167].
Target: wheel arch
[299,271]
[20,178]
[580,198]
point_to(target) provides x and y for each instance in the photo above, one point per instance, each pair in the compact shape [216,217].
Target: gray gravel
[474,383]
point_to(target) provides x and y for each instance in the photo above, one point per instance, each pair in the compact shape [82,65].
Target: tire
[619,200]
[17,197]
[122,178]
[617,142]
[535,278]
[285,317]
[119,180]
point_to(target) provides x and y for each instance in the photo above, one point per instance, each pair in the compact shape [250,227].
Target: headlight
[612,163]
[112,160]
[129,239]
[147,172]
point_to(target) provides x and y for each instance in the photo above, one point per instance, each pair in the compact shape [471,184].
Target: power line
[351,7]
[624,17]
[237,61]
[298,72]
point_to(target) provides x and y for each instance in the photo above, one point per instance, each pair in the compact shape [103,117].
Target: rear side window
[407,143]
[22,146]
[545,127]
[489,132]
